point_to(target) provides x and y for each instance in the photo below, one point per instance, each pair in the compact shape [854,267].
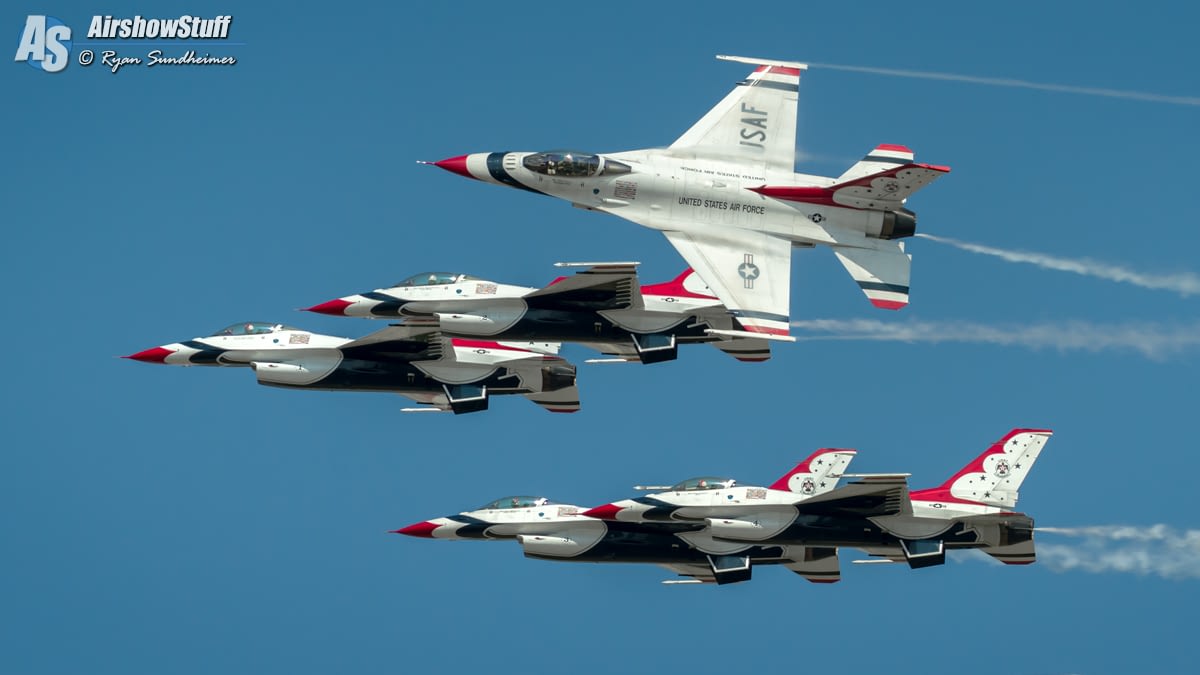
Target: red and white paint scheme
[711,530]
[551,531]
[508,518]
[989,483]
[602,306]
[421,295]
[727,196]
[696,499]
[874,513]
[448,374]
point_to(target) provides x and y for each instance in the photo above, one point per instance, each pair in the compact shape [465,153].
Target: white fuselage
[664,191]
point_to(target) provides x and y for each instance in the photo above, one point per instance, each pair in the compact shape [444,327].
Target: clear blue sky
[189,521]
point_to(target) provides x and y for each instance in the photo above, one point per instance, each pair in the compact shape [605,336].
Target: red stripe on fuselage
[674,288]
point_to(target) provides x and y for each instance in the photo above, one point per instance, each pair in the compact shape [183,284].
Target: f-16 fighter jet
[447,374]
[553,531]
[602,307]
[726,196]
[875,513]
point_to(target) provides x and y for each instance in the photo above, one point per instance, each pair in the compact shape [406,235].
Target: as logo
[45,44]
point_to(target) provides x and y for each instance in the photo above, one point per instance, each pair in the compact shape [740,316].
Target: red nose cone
[606,512]
[421,529]
[333,307]
[457,165]
[152,355]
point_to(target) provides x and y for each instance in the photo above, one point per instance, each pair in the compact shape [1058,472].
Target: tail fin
[882,158]
[817,474]
[881,181]
[992,479]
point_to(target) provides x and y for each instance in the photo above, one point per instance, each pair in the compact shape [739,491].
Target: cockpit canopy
[436,279]
[570,164]
[516,502]
[704,483]
[253,328]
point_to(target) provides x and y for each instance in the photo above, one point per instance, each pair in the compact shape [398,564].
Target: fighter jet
[726,195]
[444,373]
[875,513]
[552,531]
[601,307]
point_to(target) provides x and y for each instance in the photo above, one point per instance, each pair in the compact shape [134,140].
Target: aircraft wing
[750,272]
[754,122]
[601,286]
[881,271]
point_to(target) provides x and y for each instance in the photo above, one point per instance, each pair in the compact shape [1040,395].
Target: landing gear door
[656,348]
[730,569]
[924,552]
[466,398]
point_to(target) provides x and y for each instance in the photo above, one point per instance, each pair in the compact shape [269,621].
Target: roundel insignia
[1002,469]
[816,218]
[807,486]
[891,186]
[748,271]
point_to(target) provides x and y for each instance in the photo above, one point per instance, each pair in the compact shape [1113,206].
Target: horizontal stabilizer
[881,272]
[818,565]
[1013,554]
[565,400]
[749,350]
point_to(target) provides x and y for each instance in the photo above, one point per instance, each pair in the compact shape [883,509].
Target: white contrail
[1019,84]
[1154,341]
[1158,550]
[1183,283]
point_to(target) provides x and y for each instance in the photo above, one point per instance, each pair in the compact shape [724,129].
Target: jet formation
[727,197]
[712,530]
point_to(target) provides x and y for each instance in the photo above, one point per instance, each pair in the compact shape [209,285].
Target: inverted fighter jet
[726,195]
[552,531]
[875,513]
[601,306]
[420,364]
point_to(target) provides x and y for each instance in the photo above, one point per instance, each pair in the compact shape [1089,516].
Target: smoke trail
[1019,84]
[1159,550]
[1183,283]
[1154,341]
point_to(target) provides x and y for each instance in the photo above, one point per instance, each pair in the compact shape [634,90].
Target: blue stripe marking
[880,286]
[888,160]
[495,167]
[770,84]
